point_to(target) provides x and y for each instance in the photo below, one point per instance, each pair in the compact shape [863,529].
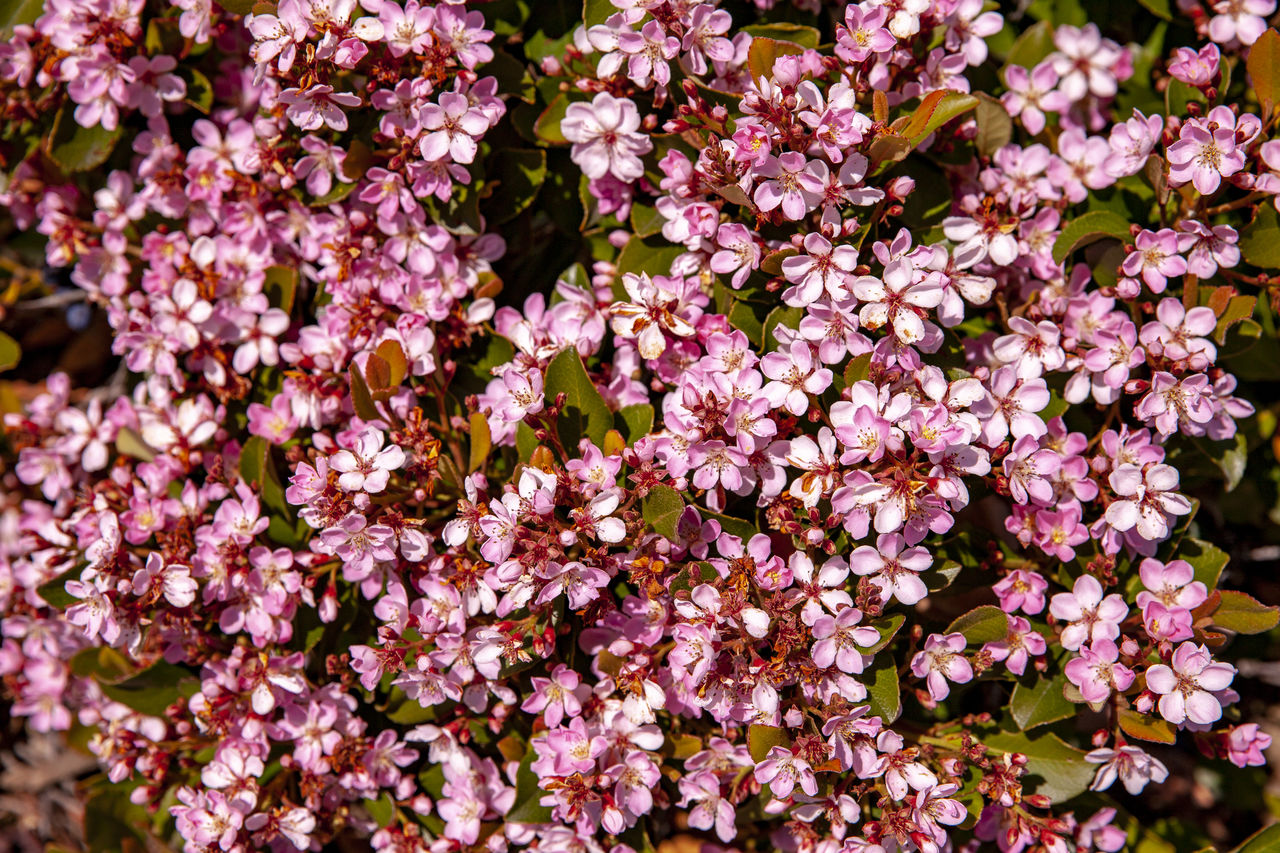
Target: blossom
[838,639]
[1091,617]
[367,465]
[783,771]
[1206,151]
[892,569]
[1133,767]
[605,139]
[1187,684]
[941,662]
[1096,671]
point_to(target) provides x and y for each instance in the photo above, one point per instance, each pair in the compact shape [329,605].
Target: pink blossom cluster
[363,550]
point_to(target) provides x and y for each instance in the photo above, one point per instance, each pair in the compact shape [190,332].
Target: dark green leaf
[1041,703]
[1035,43]
[661,509]
[1260,241]
[361,399]
[1264,70]
[526,808]
[1244,614]
[10,352]
[154,689]
[55,593]
[80,149]
[1054,768]
[634,421]
[794,33]
[888,628]
[1263,841]
[199,89]
[1089,228]
[519,175]
[382,810]
[995,125]
[985,624]
[280,286]
[761,739]
[585,413]
[1206,560]
[883,692]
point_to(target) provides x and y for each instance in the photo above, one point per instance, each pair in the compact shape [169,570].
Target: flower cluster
[561,435]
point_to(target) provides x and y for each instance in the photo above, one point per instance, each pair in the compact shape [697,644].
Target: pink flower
[838,639]
[782,771]
[605,139]
[1246,745]
[1097,673]
[317,107]
[739,252]
[1156,258]
[1147,500]
[1195,69]
[367,466]
[863,34]
[1031,94]
[795,184]
[556,697]
[1133,767]
[901,299]
[942,661]
[711,810]
[1206,151]
[1018,647]
[1186,686]
[821,270]
[1022,589]
[454,126]
[1240,20]
[1091,617]
[795,376]
[893,570]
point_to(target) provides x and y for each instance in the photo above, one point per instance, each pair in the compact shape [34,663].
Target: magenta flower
[1156,258]
[838,639]
[367,465]
[795,184]
[1021,590]
[1194,68]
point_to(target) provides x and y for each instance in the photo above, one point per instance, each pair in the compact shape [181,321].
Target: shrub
[808,427]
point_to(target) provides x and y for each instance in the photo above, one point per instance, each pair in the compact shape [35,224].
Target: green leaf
[883,692]
[858,369]
[238,7]
[199,89]
[10,352]
[1159,8]
[1089,228]
[1265,840]
[154,689]
[799,34]
[739,527]
[1264,70]
[934,112]
[526,808]
[661,509]
[585,412]
[526,441]
[129,443]
[258,467]
[408,712]
[985,624]
[595,12]
[1054,769]
[1142,727]
[1041,703]
[1238,308]
[1206,560]
[645,220]
[519,175]
[764,52]
[652,256]
[781,316]
[280,286]
[382,810]
[1244,614]
[361,399]
[888,629]
[995,125]
[634,421]
[481,441]
[1035,43]
[547,127]
[55,593]
[80,149]
[761,739]
[1260,241]
[15,12]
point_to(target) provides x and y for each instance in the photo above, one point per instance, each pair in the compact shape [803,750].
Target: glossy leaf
[1244,614]
[1054,769]
[985,624]
[1264,70]
[80,149]
[10,352]
[661,509]
[883,691]
[1089,228]
[1041,703]
[585,412]
[761,739]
